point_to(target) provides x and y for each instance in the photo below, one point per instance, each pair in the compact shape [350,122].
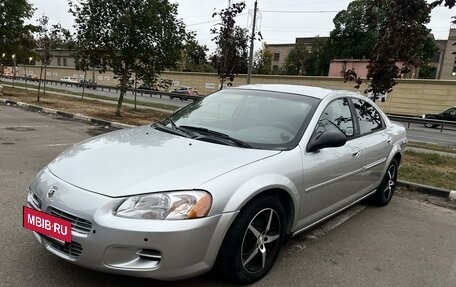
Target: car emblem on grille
[52,191]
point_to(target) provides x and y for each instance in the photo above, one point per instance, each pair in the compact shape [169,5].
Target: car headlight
[166,205]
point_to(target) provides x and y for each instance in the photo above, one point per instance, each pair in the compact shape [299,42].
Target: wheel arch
[398,157]
[285,200]
[286,192]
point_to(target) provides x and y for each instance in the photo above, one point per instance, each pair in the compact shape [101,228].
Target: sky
[280,21]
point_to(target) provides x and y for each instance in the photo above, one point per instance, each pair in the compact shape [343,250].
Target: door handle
[356,152]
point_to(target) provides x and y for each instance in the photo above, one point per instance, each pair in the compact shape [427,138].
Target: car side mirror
[327,139]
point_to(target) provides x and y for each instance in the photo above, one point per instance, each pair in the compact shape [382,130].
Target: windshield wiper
[179,132]
[208,132]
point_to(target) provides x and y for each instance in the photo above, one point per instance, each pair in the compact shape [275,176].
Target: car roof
[316,92]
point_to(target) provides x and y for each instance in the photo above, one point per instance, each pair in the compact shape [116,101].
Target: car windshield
[260,119]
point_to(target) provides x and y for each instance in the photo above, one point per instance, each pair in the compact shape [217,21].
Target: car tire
[430,125]
[253,242]
[387,187]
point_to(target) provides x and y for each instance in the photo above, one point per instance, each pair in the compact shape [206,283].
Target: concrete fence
[410,97]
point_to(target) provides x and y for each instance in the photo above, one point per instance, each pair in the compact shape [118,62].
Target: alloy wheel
[261,240]
[391,182]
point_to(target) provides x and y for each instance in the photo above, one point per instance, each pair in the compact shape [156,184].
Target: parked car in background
[32,78]
[68,79]
[186,91]
[447,115]
[90,84]
[226,179]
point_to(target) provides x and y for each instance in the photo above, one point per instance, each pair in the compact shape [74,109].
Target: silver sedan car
[222,182]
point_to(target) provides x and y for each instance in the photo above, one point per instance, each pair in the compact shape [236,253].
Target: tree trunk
[45,78]
[222,81]
[84,84]
[123,89]
[39,83]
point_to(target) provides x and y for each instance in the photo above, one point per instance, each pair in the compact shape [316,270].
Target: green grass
[443,148]
[100,97]
[429,169]
[139,103]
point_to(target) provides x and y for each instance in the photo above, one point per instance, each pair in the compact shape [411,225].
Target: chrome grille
[73,249]
[77,224]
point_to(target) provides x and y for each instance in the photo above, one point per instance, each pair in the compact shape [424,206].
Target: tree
[319,58]
[15,36]
[194,56]
[262,61]
[402,38]
[48,39]
[402,43]
[447,3]
[144,37]
[427,72]
[296,60]
[231,55]
[354,36]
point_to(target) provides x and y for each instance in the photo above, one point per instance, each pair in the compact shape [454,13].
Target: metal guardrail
[140,92]
[184,97]
[417,120]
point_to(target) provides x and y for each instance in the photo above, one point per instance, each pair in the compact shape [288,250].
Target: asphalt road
[418,132]
[407,243]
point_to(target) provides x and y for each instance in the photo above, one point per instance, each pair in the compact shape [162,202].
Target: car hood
[143,160]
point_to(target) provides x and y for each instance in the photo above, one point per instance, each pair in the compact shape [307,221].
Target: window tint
[368,117]
[337,115]
[451,112]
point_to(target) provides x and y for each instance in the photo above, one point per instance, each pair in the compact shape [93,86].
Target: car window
[260,118]
[369,118]
[222,110]
[337,116]
[452,112]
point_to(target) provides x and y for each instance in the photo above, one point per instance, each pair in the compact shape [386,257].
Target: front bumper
[160,249]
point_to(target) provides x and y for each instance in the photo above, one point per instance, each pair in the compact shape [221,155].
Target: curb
[79,117]
[429,190]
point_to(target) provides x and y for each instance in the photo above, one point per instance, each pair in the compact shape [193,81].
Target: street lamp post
[252,41]
[25,75]
[3,61]
[14,67]
[25,71]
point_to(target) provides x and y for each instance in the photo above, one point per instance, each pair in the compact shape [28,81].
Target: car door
[374,140]
[449,115]
[331,175]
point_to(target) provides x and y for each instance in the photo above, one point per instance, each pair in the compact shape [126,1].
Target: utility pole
[252,41]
